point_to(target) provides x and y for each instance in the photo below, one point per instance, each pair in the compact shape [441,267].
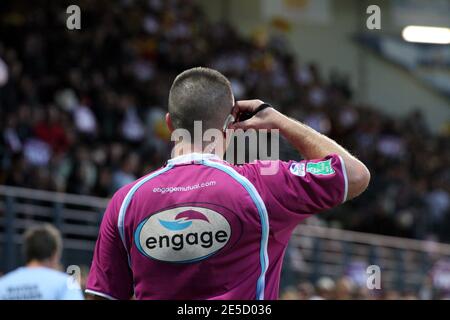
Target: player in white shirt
[40,279]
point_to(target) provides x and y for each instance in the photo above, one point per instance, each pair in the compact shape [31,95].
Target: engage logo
[182,235]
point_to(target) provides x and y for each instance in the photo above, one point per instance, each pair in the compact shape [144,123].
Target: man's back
[38,283]
[200,228]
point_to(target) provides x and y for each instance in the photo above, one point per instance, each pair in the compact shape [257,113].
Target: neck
[182,149]
[39,264]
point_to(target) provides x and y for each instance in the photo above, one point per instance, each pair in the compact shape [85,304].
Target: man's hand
[308,142]
[268,118]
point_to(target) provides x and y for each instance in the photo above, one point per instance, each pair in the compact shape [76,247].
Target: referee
[201,228]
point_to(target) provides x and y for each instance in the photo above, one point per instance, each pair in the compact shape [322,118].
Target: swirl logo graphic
[183,220]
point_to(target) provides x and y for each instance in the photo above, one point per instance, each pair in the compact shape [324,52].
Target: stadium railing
[405,264]
[76,216]
[322,251]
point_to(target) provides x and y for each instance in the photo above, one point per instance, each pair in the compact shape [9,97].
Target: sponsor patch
[298,169]
[321,168]
[182,235]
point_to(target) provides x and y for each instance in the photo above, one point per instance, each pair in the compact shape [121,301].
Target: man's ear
[169,122]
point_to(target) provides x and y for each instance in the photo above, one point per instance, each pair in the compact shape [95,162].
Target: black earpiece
[247,115]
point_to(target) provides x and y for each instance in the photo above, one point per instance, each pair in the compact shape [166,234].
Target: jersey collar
[193,157]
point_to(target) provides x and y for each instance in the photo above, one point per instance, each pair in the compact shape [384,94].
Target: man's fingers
[248,105]
[244,125]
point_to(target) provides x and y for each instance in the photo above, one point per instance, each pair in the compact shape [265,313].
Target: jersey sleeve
[294,190]
[110,275]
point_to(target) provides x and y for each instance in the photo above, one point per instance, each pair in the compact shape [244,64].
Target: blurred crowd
[83,111]
[344,288]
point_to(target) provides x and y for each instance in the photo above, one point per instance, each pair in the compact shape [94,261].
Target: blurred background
[82,114]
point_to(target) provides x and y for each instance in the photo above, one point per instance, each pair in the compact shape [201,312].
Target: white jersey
[38,283]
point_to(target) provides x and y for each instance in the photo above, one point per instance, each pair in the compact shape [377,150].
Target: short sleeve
[313,186]
[110,275]
[295,190]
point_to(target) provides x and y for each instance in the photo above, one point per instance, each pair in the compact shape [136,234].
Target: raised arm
[308,142]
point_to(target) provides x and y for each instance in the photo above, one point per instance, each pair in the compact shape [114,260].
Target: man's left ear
[169,122]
